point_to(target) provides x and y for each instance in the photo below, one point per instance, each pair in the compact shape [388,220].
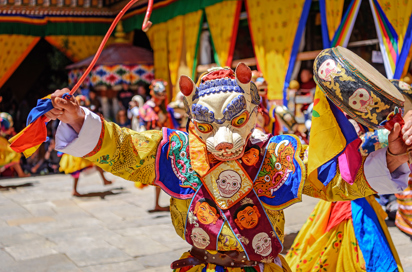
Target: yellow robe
[70,164]
[8,156]
[316,249]
[131,155]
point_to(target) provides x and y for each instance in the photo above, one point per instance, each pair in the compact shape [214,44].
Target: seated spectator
[52,158]
[37,163]
[124,96]
[306,80]
[121,119]
[95,105]
[133,113]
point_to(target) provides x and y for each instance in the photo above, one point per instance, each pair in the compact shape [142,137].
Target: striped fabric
[404,215]
[388,38]
[344,30]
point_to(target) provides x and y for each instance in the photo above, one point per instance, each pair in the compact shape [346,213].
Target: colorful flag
[333,139]
[345,28]
[388,38]
[30,138]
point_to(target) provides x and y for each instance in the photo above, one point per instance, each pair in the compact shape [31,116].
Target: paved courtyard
[44,228]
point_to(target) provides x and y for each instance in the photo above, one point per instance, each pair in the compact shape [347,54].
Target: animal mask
[223,108]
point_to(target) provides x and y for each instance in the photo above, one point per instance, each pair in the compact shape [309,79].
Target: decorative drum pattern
[355,86]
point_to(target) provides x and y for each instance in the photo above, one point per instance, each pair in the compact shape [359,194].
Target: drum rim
[364,79]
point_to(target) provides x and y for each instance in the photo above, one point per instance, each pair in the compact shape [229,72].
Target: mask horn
[243,73]
[186,85]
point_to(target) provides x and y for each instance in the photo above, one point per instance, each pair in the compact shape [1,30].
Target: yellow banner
[223,20]
[14,49]
[398,13]
[191,28]
[175,44]
[273,25]
[158,39]
[334,10]
[76,48]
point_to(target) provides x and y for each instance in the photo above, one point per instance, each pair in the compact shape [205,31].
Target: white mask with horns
[223,108]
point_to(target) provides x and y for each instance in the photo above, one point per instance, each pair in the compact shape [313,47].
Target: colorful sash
[227,195]
[204,221]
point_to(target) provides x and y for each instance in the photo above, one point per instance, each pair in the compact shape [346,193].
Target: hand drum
[356,87]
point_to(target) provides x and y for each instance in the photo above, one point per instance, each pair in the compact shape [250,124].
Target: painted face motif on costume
[200,238]
[205,213]
[223,109]
[327,69]
[228,183]
[361,100]
[262,244]
[247,216]
[251,157]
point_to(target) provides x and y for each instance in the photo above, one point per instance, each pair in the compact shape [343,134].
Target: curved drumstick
[146,25]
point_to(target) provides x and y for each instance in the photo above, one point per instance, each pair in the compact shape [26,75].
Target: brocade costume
[404,214]
[8,157]
[73,165]
[347,235]
[230,211]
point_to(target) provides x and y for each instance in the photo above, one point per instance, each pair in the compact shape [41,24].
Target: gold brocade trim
[99,143]
[198,153]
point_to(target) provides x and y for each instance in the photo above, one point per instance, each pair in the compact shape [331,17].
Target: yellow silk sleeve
[126,153]
[337,189]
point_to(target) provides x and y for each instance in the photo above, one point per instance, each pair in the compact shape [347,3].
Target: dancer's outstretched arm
[384,171]
[121,151]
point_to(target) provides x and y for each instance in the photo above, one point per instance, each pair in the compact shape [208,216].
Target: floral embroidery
[312,216]
[321,265]
[337,243]
[105,159]
[356,249]
[294,250]
[304,261]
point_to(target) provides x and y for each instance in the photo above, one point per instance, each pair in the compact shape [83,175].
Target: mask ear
[188,89]
[243,73]
[187,86]
[243,77]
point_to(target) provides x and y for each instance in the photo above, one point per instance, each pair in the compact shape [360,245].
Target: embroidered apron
[229,187]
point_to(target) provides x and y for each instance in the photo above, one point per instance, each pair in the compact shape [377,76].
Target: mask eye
[204,128]
[241,120]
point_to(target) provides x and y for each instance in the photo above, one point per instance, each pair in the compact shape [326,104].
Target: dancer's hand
[400,140]
[66,110]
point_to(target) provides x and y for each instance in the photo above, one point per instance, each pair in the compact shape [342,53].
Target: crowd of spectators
[46,160]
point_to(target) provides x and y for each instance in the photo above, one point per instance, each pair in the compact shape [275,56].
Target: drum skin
[351,91]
